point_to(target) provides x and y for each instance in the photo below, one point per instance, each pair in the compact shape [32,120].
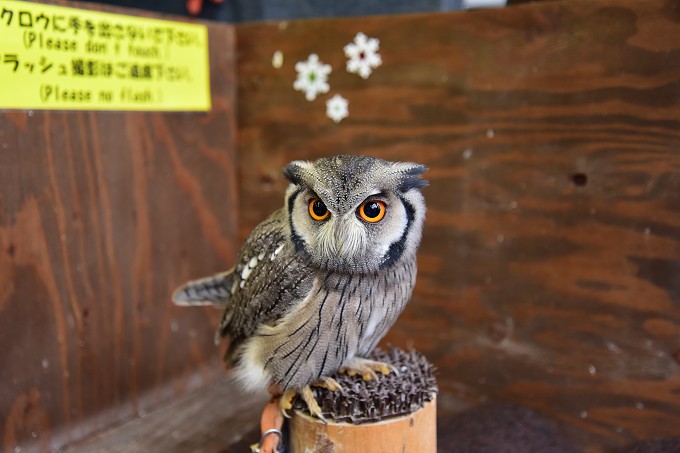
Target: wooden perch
[396,412]
[416,432]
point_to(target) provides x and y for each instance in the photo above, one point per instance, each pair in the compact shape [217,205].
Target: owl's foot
[328,383]
[367,368]
[312,405]
[286,401]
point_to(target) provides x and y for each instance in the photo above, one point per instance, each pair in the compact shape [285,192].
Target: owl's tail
[214,290]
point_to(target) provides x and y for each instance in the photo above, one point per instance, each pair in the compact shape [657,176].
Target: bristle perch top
[387,396]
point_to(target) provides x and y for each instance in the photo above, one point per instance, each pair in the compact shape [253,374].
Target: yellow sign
[59,58]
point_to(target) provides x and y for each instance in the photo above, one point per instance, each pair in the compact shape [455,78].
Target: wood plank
[102,214]
[550,260]
[206,420]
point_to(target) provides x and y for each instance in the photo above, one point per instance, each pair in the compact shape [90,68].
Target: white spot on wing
[248,268]
[245,273]
[277,251]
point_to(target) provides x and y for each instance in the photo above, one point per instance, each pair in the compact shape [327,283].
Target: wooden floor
[208,420]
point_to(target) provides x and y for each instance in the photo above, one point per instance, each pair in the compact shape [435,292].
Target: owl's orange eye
[372,211]
[318,210]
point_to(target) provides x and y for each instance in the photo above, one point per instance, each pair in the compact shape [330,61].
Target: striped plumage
[309,295]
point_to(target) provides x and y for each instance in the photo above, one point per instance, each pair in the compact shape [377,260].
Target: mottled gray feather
[214,290]
[277,281]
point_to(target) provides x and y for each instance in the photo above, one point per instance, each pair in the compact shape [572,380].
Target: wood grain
[206,420]
[102,214]
[550,264]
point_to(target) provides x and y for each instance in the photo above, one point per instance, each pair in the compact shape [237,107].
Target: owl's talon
[366,374]
[328,383]
[314,409]
[286,401]
[367,368]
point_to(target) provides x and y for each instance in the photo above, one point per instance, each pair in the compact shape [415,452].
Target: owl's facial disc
[354,239]
[349,238]
[355,213]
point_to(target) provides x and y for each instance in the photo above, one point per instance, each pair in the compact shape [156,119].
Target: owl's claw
[286,401]
[312,405]
[328,383]
[367,368]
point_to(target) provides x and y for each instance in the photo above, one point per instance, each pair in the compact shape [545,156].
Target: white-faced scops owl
[321,280]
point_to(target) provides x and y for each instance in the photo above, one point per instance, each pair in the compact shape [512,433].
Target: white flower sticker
[312,77]
[363,55]
[337,108]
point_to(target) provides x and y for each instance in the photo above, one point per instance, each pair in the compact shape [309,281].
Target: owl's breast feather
[341,316]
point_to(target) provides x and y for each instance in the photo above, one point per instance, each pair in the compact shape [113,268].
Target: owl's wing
[214,290]
[217,290]
[267,281]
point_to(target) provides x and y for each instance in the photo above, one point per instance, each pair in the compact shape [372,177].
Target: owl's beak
[348,239]
[340,236]
[338,241]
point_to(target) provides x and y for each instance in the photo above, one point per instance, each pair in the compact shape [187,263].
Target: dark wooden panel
[551,256]
[102,214]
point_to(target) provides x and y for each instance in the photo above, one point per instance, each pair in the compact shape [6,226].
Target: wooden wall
[550,264]
[101,215]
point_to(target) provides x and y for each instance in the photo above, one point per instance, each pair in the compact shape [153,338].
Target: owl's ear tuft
[295,171]
[410,176]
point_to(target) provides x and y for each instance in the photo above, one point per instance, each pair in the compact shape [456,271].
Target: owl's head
[355,214]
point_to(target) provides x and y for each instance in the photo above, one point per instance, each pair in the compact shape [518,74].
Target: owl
[321,280]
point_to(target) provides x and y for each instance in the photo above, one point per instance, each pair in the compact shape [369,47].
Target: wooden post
[396,412]
[416,432]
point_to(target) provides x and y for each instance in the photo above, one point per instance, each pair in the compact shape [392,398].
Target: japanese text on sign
[61,58]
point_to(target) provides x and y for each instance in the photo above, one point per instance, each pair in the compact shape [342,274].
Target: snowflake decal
[363,56]
[337,108]
[312,77]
